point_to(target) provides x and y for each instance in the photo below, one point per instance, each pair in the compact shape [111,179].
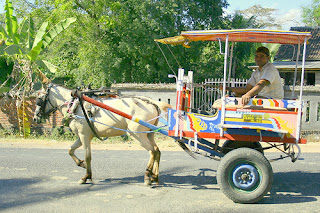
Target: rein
[79,95]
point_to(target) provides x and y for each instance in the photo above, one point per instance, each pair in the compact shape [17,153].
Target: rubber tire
[244,156]
[230,145]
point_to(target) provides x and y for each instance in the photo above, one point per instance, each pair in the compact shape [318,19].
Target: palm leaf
[11,22]
[43,38]
[26,32]
[35,51]
[46,65]
[40,34]
[14,50]
[56,30]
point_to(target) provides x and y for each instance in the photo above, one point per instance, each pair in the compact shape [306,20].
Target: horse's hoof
[156,183]
[155,180]
[147,182]
[81,164]
[81,181]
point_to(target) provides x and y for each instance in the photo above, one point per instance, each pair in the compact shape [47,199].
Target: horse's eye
[39,102]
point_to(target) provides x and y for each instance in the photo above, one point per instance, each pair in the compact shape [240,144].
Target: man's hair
[263,50]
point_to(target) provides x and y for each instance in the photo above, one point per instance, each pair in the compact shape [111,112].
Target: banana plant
[22,43]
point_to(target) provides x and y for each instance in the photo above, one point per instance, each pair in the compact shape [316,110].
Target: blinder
[42,102]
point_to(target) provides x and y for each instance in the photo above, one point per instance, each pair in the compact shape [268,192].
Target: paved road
[45,180]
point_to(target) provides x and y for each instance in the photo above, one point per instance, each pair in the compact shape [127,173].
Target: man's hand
[254,91]
[245,99]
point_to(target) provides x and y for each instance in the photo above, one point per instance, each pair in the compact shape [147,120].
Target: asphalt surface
[45,180]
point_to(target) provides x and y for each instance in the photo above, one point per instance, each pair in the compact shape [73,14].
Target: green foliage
[6,69]
[22,45]
[11,23]
[311,14]
[59,133]
[113,41]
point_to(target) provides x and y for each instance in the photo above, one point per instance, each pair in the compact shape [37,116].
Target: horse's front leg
[87,150]
[156,161]
[72,149]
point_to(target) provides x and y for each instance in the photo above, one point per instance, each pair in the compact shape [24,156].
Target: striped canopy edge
[240,35]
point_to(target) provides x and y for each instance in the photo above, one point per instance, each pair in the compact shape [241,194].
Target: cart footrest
[231,126]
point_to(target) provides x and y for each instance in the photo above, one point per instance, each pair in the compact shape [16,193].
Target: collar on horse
[78,94]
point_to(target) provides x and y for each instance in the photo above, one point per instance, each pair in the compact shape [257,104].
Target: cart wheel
[245,175]
[230,145]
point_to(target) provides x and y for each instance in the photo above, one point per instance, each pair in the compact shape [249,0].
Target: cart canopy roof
[240,35]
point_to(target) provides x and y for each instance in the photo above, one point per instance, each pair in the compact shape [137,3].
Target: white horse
[58,97]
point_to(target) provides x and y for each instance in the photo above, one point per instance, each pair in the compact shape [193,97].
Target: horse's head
[44,106]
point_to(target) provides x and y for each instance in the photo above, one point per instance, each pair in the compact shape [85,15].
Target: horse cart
[244,173]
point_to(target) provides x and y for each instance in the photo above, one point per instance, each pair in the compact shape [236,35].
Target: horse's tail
[163,106]
[159,105]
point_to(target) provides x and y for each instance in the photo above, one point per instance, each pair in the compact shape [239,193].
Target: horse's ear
[44,79]
[89,86]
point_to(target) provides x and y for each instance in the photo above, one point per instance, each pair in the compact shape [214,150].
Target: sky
[289,10]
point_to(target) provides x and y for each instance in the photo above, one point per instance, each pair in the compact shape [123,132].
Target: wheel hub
[245,176]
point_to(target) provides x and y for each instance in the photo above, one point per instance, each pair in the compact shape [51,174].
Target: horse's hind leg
[149,171]
[157,155]
[152,171]
[72,149]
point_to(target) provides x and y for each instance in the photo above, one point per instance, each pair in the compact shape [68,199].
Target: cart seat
[258,104]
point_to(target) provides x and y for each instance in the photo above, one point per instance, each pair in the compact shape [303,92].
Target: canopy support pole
[301,86]
[295,72]
[223,108]
[230,63]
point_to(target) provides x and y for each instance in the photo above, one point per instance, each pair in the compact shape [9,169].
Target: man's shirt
[269,72]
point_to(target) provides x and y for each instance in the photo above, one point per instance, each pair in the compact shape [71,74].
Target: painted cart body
[256,122]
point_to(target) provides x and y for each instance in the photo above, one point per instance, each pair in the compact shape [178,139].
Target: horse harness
[77,99]
[42,102]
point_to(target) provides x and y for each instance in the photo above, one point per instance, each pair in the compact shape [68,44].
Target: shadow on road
[15,193]
[294,187]
[205,179]
[288,187]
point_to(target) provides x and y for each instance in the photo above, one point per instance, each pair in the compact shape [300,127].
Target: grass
[59,135]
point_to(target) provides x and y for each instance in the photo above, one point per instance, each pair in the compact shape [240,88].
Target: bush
[61,133]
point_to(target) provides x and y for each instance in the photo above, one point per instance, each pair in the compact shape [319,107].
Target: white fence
[204,96]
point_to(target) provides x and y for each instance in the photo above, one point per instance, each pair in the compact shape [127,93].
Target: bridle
[42,102]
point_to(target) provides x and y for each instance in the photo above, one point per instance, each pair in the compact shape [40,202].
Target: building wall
[168,96]
[11,116]
[317,78]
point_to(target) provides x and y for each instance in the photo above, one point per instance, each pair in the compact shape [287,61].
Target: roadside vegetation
[59,134]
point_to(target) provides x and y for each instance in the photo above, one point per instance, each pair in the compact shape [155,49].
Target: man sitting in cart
[265,81]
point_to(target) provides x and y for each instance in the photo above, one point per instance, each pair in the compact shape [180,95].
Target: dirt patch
[167,145]
[164,145]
